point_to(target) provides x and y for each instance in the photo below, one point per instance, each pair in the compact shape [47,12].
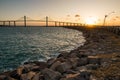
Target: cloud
[68,15]
[77,15]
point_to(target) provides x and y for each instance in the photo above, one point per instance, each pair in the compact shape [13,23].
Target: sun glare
[91,21]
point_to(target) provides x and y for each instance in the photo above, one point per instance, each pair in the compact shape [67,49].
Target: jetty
[97,59]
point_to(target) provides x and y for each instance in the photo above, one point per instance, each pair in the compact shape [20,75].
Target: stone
[27,76]
[81,55]
[5,77]
[49,74]
[28,67]
[73,55]
[61,59]
[23,77]
[20,70]
[38,76]
[54,65]
[85,74]
[50,61]
[93,77]
[63,67]
[92,66]
[73,61]
[63,54]
[81,68]
[94,60]
[70,71]
[72,77]
[34,66]
[82,61]
[14,74]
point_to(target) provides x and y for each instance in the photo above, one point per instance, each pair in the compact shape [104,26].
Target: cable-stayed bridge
[27,21]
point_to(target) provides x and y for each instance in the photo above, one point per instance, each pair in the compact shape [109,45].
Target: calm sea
[21,44]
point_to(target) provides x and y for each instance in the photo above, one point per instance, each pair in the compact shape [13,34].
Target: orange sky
[82,11]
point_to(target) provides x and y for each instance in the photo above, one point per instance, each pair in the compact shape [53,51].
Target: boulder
[73,77]
[20,70]
[73,55]
[5,77]
[81,68]
[54,65]
[85,74]
[63,54]
[38,76]
[70,71]
[94,60]
[92,66]
[81,55]
[27,76]
[73,61]
[50,61]
[82,61]
[35,66]
[61,59]
[14,74]
[49,74]
[64,67]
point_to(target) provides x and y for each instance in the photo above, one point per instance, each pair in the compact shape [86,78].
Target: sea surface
[22,44]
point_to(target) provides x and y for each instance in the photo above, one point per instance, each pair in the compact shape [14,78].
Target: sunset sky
[67,10]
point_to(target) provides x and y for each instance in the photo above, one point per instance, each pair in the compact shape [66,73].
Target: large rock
[82,54]
[94,60]
[50,61]
[15,74]
[92,66]
[35,66]
[63,54]
[38,76]
[82,61]
[54,65]
[20,70]
[64,67]
[5,77]
[50,74]
[81,68]
[85,74]
[73,77]
[73,61]
[27,76]
[70,76]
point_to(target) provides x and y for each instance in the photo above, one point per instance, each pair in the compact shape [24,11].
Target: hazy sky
[59,9]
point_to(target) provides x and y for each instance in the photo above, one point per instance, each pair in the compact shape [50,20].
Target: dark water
[21,44]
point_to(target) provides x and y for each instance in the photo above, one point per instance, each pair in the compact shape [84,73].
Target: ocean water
[22,44]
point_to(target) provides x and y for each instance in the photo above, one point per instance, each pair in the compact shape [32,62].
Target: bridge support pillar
[9,23]
[3,23]
[24,21]
[63,23]
[55,23]
[59,23]
[70,24]
[46,21]
[67,23]
[14,23]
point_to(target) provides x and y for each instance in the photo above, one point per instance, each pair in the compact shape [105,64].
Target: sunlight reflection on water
[21,44]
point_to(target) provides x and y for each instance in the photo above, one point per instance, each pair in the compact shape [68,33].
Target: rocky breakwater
[98,59]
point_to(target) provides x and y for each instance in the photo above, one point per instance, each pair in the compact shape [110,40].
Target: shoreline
[80,63]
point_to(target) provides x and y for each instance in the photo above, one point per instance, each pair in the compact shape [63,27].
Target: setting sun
[91,21]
